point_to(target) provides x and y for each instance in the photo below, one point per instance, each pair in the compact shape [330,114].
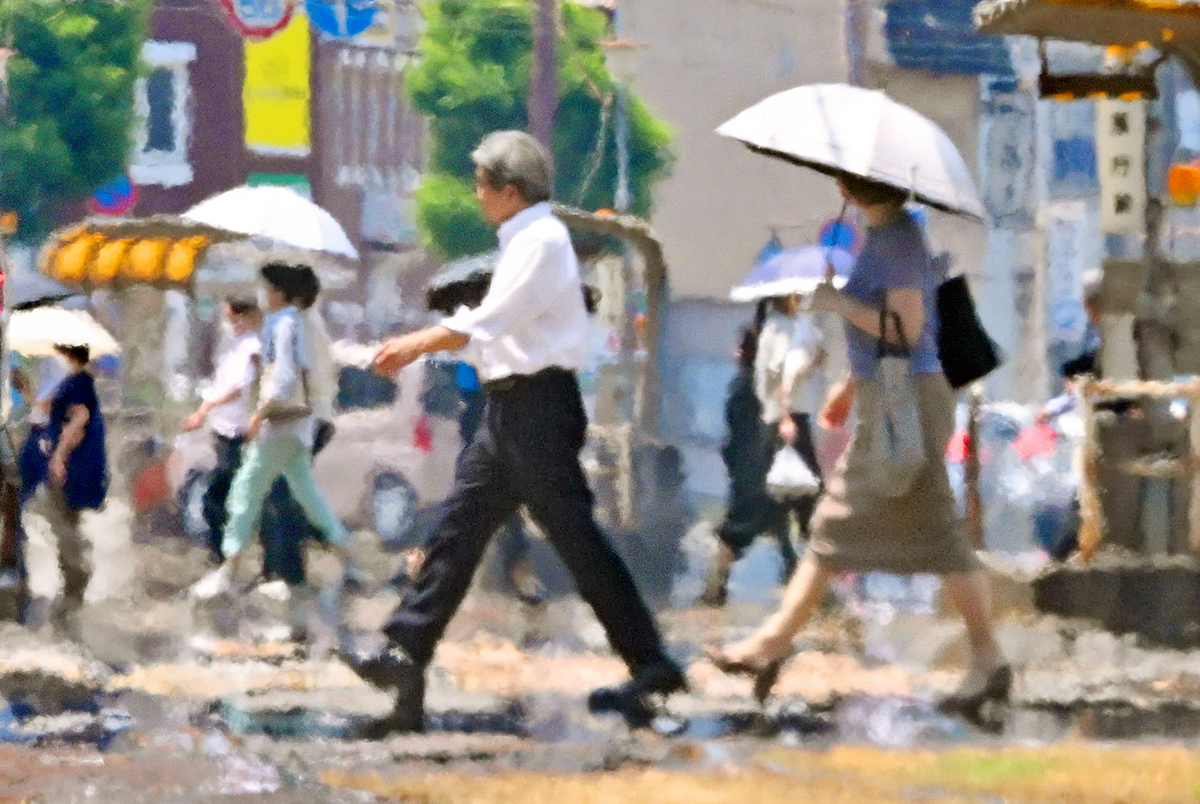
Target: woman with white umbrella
[858,525]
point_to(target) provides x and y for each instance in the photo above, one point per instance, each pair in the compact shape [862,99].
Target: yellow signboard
[276,93]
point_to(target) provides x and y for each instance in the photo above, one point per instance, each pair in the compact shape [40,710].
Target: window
[160,151]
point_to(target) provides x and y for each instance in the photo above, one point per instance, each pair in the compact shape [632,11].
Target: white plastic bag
[790,478]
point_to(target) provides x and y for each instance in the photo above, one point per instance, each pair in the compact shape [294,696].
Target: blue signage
[342,18]
[839,234]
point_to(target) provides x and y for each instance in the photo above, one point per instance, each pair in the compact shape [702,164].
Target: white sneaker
[214,584]
[278,591]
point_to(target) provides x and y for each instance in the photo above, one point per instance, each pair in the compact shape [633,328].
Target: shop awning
[105,252]
[1104,22]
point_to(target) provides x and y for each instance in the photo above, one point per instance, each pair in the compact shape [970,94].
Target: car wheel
[191,506]
[393,509]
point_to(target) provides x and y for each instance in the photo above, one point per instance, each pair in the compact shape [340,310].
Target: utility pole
[542,103]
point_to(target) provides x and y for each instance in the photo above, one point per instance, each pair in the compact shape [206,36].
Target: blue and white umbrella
[797,270]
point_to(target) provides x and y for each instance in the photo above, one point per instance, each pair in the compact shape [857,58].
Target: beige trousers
[74,551]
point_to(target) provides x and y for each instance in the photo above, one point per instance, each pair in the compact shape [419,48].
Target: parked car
[389,457]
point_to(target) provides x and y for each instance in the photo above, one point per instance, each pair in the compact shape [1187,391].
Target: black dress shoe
[407,717]
[633,699]
[389,668]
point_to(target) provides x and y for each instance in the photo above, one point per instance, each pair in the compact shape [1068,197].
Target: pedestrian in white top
[527,339]
[280,433]
[790,383]
[226,408]
[284,524]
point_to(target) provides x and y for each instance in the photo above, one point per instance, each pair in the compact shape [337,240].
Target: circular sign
[118,197]
[258,19]
[343,18]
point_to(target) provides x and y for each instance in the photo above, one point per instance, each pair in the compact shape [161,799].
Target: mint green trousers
[264,463]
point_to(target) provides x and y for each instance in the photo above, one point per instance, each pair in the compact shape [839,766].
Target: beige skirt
[855,529]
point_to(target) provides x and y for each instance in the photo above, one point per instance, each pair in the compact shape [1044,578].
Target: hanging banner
[1121,165]
[1066,258]
[276,93]
[258,19]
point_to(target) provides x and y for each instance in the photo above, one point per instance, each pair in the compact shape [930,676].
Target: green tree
[66,127]
[473,78]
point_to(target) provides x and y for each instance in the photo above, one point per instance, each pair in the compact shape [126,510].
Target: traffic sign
[342,18]
[118,197]
[258,19]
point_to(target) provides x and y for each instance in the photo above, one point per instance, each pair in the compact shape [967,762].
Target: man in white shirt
[528,338]
[226,407]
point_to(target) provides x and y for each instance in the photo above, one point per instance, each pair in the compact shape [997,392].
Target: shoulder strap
[901,348]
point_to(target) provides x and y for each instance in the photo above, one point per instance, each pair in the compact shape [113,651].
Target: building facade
[323,114]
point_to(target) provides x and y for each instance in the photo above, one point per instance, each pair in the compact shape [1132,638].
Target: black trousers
[526,453]
[229,458]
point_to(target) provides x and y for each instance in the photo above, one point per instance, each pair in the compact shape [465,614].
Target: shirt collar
[522,220]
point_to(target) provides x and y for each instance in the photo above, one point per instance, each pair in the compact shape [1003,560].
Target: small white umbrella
[278,214]
[840,129]
[35,333]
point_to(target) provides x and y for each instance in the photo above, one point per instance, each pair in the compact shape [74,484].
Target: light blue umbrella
[797,270]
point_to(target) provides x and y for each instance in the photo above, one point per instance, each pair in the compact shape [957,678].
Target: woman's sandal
[764,676]
[996,688]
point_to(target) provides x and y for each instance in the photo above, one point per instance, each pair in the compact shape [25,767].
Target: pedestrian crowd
[521,346]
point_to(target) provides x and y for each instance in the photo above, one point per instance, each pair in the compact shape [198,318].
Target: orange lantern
[146,260]
[72,259]
[108,261]
[181,260]
[1183,185]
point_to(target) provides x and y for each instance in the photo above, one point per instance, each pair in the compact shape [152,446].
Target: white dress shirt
[533,316]
[235,369]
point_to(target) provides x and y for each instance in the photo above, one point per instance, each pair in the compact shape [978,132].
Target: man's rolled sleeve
[525,278]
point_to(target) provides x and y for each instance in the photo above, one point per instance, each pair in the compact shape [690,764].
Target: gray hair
[517,159]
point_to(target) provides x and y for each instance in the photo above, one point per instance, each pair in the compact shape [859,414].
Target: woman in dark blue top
[77,472]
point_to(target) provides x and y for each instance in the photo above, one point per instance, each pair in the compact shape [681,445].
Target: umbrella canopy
[278,214]
[797,270]
[463,281]
[36,332]
[25,290]
[839,129]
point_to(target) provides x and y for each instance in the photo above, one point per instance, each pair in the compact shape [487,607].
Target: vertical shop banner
[1121,163]
[1066,254]
[1009,157]
[276,94]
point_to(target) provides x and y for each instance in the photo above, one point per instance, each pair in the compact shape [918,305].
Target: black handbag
[966,351]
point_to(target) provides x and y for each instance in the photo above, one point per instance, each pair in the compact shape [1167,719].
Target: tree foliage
[66,127]
[473,78]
